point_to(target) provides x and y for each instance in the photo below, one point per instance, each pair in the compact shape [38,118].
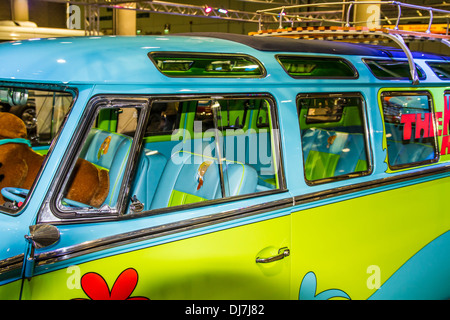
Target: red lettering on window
[445,145]
[422,125]
[408,119]
[446,115]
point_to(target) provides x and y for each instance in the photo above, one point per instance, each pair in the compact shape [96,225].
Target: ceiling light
[208,9]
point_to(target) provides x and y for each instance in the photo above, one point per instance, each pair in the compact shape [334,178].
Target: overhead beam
[168,8]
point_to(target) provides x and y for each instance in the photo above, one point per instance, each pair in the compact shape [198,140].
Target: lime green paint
[361,166]
[107,120]
[320,165]
[42,152]
[340,241]
[218,265]
[270,181]
[178,198]
[273,146]
[10,291]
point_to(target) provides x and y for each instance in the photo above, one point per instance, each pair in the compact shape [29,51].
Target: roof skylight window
[178,64]
[317,67]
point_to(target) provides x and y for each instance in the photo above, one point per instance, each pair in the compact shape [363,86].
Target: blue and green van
[239,167]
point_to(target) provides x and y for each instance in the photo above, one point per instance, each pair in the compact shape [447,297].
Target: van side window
[183,64]
[334,140]
[31,119]
[222,155]
[410,135]
[317,67]
[95,180]
[441,69]
[228,156]
[392,69]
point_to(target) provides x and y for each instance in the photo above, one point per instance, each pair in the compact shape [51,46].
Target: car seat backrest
[330,153]
[109,151]
[191,177]
[148,173]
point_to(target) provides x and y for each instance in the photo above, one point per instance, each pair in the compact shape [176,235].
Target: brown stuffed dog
[19,166]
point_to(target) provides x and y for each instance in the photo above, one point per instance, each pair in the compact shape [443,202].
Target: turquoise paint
[426,275]
[308,290]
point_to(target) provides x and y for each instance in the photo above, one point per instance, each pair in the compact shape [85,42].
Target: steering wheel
[15,194]
[19,195]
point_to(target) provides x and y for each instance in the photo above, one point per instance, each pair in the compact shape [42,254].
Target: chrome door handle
[282,253]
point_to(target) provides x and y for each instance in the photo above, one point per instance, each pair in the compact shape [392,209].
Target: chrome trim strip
[92,246]
[11,263]
[353,188]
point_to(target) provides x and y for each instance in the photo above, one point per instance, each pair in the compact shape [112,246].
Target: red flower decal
[96,287]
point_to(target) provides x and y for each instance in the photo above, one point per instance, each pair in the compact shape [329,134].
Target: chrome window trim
[11,264]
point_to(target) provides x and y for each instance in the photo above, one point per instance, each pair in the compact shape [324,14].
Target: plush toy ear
[102,189]
[88,185]
[12,126]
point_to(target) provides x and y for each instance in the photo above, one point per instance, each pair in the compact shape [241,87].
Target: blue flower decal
[308,289]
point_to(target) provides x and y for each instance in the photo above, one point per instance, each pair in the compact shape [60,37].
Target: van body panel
[186,220]
[220,258]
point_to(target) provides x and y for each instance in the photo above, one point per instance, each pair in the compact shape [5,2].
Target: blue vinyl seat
[109,151]
[180,181]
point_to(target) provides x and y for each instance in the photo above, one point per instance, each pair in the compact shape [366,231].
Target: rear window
[410,135]
[392,69]
[317,67]
[177,64]
[333,133]
[441,69]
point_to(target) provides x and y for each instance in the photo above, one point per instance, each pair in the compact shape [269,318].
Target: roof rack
[347,32]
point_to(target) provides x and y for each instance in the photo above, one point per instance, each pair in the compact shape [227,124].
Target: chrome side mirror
[43,235]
